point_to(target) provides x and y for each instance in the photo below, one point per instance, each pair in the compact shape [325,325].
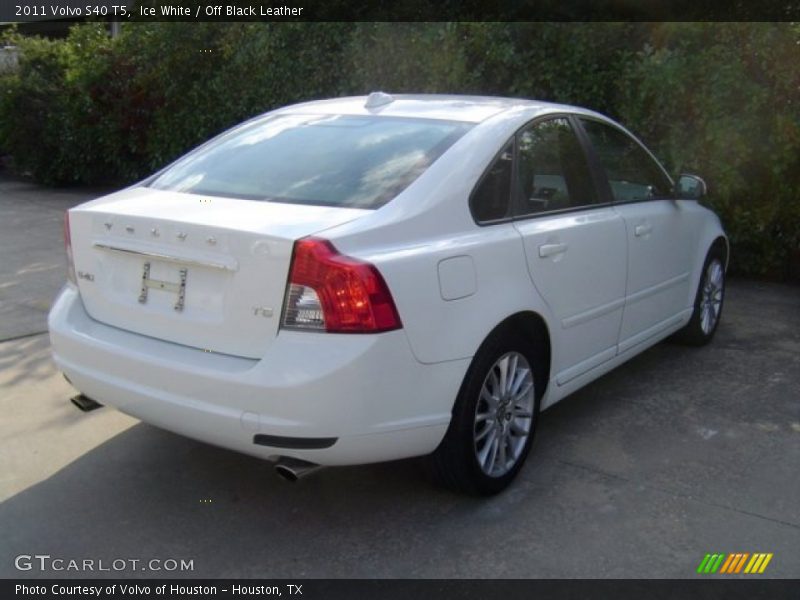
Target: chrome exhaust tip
[85,403]
[292,469]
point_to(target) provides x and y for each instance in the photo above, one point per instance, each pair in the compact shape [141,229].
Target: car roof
[473,109]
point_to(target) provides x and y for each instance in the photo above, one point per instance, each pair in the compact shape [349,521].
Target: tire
[708,302]
[469,459]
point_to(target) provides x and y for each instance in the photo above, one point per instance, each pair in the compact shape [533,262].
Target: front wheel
[493,420]
[708,303]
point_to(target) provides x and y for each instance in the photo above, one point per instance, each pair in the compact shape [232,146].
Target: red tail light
[335,293]
[68,248]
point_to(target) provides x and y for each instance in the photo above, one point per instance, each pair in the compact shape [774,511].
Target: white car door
[575,247]
[659,232]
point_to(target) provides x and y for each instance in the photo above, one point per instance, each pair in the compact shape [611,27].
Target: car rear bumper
[325,398]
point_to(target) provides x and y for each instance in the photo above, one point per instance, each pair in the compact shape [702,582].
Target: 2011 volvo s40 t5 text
[372,278]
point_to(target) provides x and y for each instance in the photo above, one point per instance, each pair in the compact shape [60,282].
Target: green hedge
[719,99]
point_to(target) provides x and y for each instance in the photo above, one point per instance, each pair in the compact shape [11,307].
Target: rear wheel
[708,302]
[494,418]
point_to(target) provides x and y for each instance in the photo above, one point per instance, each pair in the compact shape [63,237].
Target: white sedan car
[373,278]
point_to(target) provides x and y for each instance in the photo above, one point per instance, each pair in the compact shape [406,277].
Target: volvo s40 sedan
[372,278]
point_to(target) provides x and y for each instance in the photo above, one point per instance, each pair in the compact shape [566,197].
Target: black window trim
[595,170]
[604,185]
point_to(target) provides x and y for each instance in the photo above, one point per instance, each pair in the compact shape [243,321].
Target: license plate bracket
[167,286]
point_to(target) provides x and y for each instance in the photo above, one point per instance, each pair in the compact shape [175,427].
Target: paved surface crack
[23,336]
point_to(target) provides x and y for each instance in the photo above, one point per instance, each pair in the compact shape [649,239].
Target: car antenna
[376,99]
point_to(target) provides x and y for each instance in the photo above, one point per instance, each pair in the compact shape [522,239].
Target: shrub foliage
[719,99]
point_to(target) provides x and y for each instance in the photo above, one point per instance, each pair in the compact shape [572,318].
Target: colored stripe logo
[739,562]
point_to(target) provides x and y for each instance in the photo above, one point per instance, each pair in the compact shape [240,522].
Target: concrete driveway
[679,453]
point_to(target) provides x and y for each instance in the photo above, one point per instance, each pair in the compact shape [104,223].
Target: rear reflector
[328,291]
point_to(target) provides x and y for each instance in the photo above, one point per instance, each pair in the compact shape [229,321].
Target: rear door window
[553,173]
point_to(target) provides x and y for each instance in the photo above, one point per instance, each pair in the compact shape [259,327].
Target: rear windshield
[339,160]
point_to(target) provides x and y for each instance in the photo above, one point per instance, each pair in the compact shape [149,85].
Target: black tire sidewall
[694,330]
[462,425]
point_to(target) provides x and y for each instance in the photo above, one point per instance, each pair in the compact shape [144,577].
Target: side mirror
[690,187]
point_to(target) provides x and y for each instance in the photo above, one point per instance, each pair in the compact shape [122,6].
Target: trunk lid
[200,271]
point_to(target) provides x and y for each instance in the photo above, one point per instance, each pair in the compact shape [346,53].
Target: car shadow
[147,493]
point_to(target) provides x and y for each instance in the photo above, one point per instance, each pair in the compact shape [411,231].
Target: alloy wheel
[711,297]
[504,414]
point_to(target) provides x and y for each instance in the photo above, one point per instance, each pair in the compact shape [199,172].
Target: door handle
[641,230]
[546,250]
